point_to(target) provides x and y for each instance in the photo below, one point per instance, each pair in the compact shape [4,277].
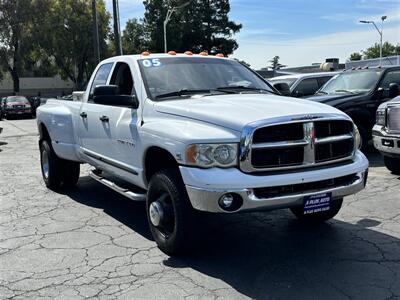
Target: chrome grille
[393,118]
[297,142]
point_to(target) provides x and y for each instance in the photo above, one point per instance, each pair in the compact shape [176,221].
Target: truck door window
[323,80]
[390,77]
[101,76]
[122,77]
[307,87]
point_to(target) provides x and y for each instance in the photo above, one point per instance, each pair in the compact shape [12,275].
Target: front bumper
[19,111]
[386,143]
[206,186]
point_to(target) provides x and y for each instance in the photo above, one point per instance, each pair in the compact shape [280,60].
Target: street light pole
[95,33]
[117,35]
[167,19]
[383,18]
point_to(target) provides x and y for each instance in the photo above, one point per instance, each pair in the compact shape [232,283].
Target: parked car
[2,106]
[386,133]
[358,93]
[16,106]
[192,132]
[301,85]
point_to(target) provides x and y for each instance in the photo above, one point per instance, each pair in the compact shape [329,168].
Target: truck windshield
[16,99]
[352,82]
[186,76]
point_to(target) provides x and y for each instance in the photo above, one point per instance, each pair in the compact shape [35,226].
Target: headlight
[381,117]
[212,155]
[357,137]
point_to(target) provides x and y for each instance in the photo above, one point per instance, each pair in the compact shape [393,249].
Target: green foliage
[355,56]
[15,36]
[388,49]
[134,37]
[70,43]
[275,64]
[201,25]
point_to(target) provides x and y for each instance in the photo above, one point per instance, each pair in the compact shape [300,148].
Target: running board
[128,192]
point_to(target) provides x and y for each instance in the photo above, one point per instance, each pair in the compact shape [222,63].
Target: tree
[68,37]
[388,49]
[134,37]
[201,25]
[15,37]
[275,64]
[356,56]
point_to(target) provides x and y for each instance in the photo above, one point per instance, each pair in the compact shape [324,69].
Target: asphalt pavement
[89,242]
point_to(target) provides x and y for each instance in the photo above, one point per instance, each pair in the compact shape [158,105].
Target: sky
[300,32]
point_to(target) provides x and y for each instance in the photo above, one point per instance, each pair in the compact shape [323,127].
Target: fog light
[226,200]
[230,202]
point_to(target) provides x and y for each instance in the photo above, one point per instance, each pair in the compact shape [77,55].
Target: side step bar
[135,196]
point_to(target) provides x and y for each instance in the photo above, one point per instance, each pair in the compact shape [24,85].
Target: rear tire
[174,231]
[393,164]
[57,172]
[318,217]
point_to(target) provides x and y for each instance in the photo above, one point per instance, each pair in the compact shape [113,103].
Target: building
[31,86]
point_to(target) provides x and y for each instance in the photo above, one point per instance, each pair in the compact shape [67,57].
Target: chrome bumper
[385,142]
[205,198]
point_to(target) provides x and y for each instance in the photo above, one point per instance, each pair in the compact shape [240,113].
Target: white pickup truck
[189,133]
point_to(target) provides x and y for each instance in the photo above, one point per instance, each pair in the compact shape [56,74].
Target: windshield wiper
[321,92]
[240,87]
[183,92]
[342,91]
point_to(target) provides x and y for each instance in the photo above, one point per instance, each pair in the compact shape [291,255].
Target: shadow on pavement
[130,213]
[374,157]
[272,256]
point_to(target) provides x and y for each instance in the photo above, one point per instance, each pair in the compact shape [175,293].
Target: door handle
[104,119]
[83,114]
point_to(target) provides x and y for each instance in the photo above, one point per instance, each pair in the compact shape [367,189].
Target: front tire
[393,164]
[169,212]
[57,172]
[318,217]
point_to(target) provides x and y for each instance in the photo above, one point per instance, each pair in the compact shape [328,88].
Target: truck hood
[235,111]
[333,97]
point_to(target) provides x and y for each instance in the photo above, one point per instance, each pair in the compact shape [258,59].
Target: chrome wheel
[161,214]
[45,164]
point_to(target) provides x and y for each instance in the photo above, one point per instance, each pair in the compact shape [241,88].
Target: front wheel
[319,217]
[169,212]
[393,164]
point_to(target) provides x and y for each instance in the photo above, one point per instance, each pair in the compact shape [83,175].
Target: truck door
[88,122]
[118,137]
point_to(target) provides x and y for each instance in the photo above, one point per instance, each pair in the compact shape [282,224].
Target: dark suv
[359,92]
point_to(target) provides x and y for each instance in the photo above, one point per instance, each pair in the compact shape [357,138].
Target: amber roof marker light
[145,53]
[219,55]
[188,53]
[171,52]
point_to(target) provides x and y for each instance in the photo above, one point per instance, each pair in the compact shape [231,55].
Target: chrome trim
[279,144]
[331,139]
[393,131]
[309,141]
[207,199]
[127,193]
[109,161]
